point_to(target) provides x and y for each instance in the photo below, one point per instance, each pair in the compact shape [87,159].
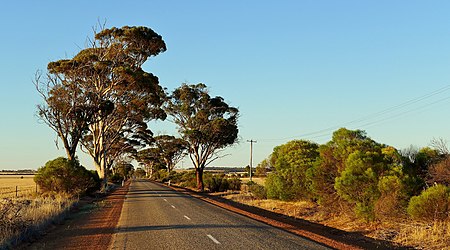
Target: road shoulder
[85,228]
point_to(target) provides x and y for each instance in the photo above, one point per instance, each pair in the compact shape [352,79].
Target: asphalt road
[156,217]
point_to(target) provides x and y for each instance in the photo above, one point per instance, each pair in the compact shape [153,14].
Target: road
[156,217]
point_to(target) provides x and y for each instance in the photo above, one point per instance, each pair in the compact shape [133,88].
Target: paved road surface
[156,217]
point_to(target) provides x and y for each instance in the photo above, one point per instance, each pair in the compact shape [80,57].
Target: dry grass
[24,183]
[399,231]
[434,235]
[21,218]
[257,180]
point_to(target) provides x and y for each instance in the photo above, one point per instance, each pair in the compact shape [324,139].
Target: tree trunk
[199,175]
[101,171]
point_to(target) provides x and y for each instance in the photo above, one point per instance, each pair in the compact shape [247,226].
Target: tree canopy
[208,124]
[106,88]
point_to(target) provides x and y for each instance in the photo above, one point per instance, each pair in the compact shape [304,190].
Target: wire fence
[18,191]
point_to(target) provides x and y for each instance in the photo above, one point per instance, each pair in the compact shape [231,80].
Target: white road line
[165,200]
[172,206]
[187,218]
[213,239]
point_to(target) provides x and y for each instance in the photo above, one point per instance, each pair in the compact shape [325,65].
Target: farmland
[24,184]
[22,212]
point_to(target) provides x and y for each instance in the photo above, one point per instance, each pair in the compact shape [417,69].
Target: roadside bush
[215,183]
[234,184]
[97,182]
[161,175]
[258,191]
[220,183]
[393,200]
[116,178]
[188,179]
[431,205]
[278,187]
[63,176]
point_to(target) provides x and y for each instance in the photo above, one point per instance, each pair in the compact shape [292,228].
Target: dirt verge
[90,226]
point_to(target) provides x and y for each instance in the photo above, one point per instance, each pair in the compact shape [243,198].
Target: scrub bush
[62,176]
[431,205]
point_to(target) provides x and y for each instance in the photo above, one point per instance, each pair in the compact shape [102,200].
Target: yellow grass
[257,180]
[24,183]
[434,235]
[20,218]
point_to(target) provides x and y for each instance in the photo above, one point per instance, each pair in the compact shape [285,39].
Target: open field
[23,183]
[257,180]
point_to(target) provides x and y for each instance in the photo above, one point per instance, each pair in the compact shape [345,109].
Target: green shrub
[234,183]
[431,205]
[220,183]
[258,191]
[393,199]
[188,179]
[216,183]
[277,188]
[358,183]
[116,178]
[161,175]
[63,176]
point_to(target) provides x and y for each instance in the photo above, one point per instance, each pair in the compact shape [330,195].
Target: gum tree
[108,76]
[206,123]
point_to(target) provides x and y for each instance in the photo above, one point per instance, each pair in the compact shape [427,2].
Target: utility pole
[251,156]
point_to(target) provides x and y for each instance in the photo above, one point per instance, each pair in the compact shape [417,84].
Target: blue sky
[293,68]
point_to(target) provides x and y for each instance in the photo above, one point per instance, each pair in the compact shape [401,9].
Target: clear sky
[295,69]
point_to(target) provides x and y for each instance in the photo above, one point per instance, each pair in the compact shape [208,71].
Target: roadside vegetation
[357,184]
[352,183]
[60,183]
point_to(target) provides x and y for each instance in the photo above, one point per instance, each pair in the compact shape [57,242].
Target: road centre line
[187,218]
[165,200]
[172,206]
[213,239]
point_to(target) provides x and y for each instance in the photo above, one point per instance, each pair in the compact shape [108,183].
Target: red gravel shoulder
[86,230]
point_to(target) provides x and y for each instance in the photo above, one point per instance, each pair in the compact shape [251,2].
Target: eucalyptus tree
[65,110]
[108,76]
[171,149]
[150,158]
[208,124]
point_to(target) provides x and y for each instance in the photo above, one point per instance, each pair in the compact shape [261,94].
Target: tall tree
[207,124]
[109,74]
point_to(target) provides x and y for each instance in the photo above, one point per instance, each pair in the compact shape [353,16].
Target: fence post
[16,191]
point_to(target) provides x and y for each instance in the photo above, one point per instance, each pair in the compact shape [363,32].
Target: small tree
[291,161]
[207,124]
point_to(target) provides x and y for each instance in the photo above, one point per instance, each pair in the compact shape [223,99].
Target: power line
[326,131]
[251,156]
